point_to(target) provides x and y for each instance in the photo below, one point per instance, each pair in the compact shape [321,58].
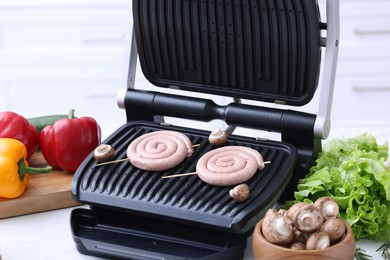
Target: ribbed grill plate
[184,199]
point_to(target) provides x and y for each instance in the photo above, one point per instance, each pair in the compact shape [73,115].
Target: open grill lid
[258,50]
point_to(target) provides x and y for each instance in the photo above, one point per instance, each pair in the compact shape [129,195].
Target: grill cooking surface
[183,199]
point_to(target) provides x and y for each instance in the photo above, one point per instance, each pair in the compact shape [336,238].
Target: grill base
[120,235]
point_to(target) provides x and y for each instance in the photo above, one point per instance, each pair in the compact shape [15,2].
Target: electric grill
[265,51]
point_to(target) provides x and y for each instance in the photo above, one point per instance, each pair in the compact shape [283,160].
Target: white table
[47,235]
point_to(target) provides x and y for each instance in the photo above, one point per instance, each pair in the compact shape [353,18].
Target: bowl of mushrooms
[304,231]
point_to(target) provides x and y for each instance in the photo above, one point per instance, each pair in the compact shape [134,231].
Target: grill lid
[258,50]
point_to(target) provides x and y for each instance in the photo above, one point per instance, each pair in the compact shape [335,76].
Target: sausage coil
[160,150]
[229,165]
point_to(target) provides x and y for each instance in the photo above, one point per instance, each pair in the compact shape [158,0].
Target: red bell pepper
[67,142]
[13,125]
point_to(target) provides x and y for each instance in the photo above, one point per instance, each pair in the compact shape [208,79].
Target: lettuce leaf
[352,171]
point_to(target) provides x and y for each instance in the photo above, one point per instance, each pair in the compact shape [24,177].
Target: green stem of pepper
[23,169]
[71,113]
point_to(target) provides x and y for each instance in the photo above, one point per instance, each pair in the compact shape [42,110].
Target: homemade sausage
[229,165]
[160,150]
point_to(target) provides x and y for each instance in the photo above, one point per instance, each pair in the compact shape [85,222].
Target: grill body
[260,50]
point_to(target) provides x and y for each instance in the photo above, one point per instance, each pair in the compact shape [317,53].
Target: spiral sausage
[160,150]
[229,165]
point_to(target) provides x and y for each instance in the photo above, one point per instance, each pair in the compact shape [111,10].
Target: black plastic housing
[116,234]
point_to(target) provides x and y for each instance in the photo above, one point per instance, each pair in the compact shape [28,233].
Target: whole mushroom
[307,218]
[328,207]
[103,152]
[294,209]
[277,228]
[218,137]
[335,228]
[318,240]
[240,192]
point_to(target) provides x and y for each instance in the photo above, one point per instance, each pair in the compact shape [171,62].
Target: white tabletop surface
[47,235]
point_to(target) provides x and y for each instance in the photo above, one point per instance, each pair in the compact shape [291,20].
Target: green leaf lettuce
[352,171]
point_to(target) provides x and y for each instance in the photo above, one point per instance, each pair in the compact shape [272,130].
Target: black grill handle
[146,105]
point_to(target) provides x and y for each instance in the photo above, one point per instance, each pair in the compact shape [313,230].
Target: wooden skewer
[125,159]
[179,175]
[110,162]
[191,173]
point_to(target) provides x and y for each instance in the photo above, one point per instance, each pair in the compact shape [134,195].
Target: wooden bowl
[264,250]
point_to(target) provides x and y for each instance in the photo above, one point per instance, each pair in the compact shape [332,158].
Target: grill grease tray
[184,199]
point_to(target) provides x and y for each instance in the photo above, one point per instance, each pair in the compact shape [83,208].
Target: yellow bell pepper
[14,168]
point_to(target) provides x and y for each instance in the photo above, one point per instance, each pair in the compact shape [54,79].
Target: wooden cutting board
[45,192]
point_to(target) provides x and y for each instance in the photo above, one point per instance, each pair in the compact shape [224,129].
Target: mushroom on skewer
[103,153]
[240,192]
[219,137]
